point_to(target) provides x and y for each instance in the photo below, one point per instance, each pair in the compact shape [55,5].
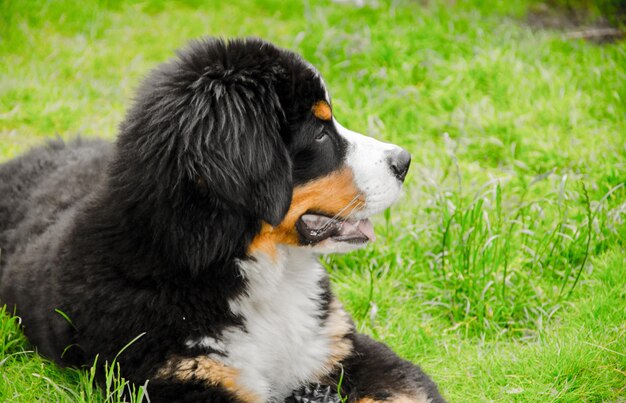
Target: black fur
[142,238]
[374,371]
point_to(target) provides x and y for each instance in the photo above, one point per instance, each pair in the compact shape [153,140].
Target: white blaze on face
[369,160]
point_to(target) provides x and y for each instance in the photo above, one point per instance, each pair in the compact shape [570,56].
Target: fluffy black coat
[102,243]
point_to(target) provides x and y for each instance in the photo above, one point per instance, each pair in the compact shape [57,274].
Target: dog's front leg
[374,373]
[198,379]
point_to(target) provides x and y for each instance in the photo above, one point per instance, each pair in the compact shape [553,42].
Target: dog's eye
[321,136]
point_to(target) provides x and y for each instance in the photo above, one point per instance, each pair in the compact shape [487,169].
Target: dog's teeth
[315,221]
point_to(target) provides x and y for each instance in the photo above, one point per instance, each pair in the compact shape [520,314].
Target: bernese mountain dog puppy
[197,235]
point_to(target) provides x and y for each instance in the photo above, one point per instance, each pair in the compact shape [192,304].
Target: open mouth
[315,228]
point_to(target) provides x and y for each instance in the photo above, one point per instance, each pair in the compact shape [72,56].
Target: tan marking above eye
[322,110]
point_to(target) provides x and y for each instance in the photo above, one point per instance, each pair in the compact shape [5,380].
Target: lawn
[502,271]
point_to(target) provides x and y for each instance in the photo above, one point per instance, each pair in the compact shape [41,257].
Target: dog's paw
[314,394]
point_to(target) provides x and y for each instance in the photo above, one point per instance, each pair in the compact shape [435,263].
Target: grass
[502,271]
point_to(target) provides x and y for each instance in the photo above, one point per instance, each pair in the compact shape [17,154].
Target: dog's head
[239,137]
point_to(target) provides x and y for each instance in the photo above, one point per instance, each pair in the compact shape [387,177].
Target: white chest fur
[283,344]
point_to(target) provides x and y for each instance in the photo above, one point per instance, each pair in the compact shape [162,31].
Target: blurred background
[502,271]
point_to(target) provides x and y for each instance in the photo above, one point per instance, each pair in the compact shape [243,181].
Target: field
[502,271]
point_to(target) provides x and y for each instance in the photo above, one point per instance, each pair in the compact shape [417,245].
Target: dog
[188,250]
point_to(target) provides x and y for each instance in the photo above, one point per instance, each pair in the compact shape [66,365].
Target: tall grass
[500,258]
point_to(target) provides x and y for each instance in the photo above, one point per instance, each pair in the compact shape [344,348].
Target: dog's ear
[212,119]
[201,157]
[232,142]
[218,127]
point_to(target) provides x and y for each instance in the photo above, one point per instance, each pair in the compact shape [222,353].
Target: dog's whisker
[354,200]
[354,203]
[337,217]
[353,211]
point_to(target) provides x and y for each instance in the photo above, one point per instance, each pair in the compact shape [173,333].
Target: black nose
[399,161]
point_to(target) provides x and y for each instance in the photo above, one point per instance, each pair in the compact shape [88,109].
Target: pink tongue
[358,228]
[366,227]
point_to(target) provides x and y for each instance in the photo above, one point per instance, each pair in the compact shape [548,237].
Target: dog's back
[39,193]
[38,186]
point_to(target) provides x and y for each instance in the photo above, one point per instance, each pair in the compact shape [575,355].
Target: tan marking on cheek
[264,242]
[322,110]
[210,372]
[328,195]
